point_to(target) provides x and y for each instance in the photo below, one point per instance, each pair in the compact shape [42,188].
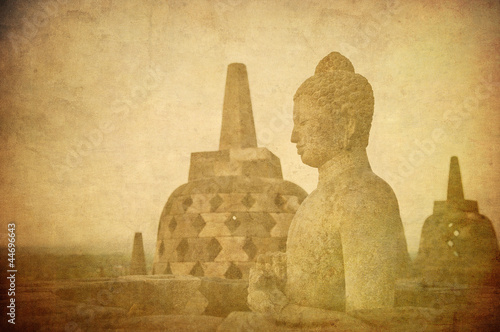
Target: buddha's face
[318,133]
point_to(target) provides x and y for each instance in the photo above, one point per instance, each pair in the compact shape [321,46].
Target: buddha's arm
[370,253]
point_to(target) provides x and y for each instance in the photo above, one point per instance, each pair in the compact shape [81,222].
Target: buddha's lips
[300,149]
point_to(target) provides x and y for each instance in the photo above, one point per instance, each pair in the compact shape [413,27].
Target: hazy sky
[102,102]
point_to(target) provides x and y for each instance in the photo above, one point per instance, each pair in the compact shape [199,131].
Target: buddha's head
[332,111]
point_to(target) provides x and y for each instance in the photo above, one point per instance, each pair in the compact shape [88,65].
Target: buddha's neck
[342,162]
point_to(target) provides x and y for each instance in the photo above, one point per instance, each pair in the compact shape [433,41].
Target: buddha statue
[346,245]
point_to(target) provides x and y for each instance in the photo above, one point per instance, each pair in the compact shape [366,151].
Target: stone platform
[186,303]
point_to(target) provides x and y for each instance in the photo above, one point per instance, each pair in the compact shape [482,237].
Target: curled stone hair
[335,87]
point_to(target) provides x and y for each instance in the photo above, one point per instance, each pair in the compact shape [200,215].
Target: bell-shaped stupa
[235,205]
[458,245]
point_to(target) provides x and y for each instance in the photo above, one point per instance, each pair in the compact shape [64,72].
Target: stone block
[182,268]
[406,319]
[251,184]
[251,224]
[250,154]
[178,323]
[232,249]
[265,202]
[169,252]
[251,321]
[261,168]
[231,168]
[224,296]
[188,225]
[245,267]
[161,267]
[215,226]
[216,269]
[161,294]
[269,244]
[202,163]
[201,203]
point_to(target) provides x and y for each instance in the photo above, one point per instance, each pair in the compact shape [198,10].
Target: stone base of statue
[384,319]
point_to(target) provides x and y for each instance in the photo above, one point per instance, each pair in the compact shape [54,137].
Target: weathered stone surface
[458,245]
[153,294]
[247,321]
[406,319]
[252,321]
[254,162]
[44,311]
[178,323]
[455,309]
[473,307]
[346,245]
[224,296]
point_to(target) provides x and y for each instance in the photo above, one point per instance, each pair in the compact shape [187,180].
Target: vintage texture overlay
[103,102]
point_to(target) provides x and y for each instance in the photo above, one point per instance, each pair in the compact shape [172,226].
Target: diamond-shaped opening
[198,223]
[213,187]
[197,270]
[161,250]
[182,249]
[213,248]
[250,248]
[279,200]
[172,225]
[232,223]
[187,203]
[168,269]
[266,220]
[215,202]
[248,201]
[233,272]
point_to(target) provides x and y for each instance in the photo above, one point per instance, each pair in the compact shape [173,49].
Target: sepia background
[102,102]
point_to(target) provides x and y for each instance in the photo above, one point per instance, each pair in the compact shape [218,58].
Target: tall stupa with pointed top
[235,205]
[458,245]
[138,261]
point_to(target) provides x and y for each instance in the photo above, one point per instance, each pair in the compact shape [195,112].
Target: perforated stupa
[235,205]
[458,244]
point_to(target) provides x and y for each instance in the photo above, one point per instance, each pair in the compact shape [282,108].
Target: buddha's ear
[349,132]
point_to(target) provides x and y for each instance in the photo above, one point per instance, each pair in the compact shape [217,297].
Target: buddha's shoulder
[361,188]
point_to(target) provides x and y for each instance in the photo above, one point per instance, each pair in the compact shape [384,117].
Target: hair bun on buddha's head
[333,62]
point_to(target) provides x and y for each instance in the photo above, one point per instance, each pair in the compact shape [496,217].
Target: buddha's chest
[315,227]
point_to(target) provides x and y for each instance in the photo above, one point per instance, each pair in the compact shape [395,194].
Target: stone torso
[346,241]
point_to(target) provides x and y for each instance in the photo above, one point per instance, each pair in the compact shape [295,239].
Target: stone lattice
[235,205]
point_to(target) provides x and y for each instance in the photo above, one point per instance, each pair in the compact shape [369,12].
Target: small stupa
[138,262]
[458,245]
[235,205]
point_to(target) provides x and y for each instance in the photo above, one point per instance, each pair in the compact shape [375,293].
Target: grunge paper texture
[102,103]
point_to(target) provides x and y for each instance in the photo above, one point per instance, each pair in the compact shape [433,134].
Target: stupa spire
[138,262]
[238,128]
[455,188]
